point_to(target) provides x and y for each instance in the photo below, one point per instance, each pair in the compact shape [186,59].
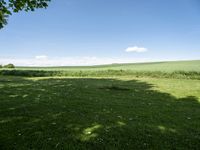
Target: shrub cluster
[102,73]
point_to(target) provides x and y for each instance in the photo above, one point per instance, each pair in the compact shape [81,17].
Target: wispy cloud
[40,57]
[136,49]
[68,61]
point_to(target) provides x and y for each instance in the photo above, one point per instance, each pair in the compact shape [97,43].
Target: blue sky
[88,32]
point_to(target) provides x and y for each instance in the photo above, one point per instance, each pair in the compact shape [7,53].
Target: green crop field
[154,66]
[121,106]
[176,69]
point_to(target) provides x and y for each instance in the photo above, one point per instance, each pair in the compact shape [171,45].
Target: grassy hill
[175,69]
[172,66]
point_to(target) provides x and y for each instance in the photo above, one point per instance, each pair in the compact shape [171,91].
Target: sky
[93,32]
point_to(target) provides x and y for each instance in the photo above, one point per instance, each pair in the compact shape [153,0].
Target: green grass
[119,106]
[99,113]
[178,69]
[101,73]
[187,66]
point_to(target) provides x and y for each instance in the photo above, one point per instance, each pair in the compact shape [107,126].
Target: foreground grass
[99,113]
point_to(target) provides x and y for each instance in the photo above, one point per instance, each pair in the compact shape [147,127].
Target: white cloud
[136,49]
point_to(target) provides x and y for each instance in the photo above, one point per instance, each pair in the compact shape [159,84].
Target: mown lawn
[99,113]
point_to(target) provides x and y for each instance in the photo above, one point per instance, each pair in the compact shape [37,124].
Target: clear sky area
[90,32]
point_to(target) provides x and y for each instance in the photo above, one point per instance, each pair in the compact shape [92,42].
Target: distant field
[156,66]
[177,69]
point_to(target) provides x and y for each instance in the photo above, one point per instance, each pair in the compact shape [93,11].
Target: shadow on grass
[94,114]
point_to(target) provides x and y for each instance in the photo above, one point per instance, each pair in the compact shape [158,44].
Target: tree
[7,7]
[1,66]
[9,66]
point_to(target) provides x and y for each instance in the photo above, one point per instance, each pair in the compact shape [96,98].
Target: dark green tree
[7,7]
[9,66]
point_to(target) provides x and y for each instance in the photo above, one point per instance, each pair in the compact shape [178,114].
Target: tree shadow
[88,113]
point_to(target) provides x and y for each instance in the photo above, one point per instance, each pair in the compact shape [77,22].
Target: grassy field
[99,113]
[178,69]
[154,66]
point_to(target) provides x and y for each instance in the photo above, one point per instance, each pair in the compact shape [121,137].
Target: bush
[9,66]
[103,73]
